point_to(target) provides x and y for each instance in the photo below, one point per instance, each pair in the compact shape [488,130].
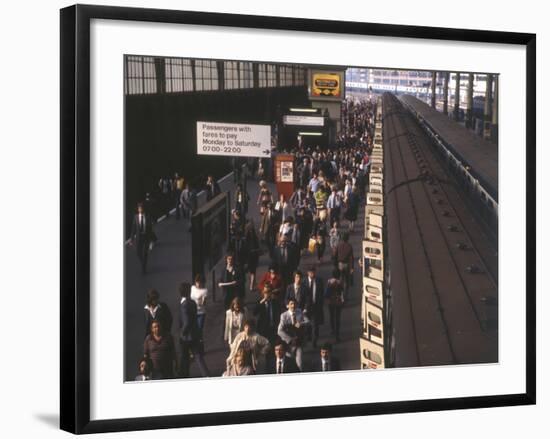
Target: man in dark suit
[268,313]
[298,291]
[212,188]
[315,309]
[231,281]
[282,363]
[304,173]
[156,310]
[344,258]
[325,361]
[189,333]
[285,258]
[142,235]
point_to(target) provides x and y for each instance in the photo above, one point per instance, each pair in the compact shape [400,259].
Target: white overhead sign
[312,121]
[233,139]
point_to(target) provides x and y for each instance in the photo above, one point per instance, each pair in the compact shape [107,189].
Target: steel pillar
[487,113]
[470,101]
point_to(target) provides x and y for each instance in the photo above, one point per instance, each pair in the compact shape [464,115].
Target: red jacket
[276,283]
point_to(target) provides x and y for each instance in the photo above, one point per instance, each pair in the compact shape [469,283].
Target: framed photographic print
[273,218]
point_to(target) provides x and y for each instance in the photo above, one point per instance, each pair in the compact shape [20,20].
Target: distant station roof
[480,155]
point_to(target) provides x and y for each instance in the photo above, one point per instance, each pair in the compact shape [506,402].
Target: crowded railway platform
[311,231]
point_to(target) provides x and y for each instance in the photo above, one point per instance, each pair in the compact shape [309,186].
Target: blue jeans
[200,324]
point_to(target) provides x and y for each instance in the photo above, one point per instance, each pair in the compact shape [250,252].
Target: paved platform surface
[170,264]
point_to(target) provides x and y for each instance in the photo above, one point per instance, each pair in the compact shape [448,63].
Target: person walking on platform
[321,198]
[286,228]
[352,208]
[320,233]
[189,333]
[145,370]
[185,202]
[240,365]
[344,258]
[296,240]
[282,209]
[298,291]
[325,361]
[159,347]
[266,228]
[252,342]
[165,186]
[179,186]
[298,199]
[334,239]
[268,313]
[272,280]
[334,204]
[334,295]
[156,310]
[282,361]
[316,298]
[230,281]
[252,252]
[292,329]
[189,201]
[264,197]
[237,245]
[199,293]
[142,235]
[304,173]
[305,220]
[347,189]
[313,184]
[212,188]
[285,259]
[235,317]
[241,200]
[150,205]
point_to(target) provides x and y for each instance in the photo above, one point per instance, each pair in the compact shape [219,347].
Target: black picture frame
[75,216]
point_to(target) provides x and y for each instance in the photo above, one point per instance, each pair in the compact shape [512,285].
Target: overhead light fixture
[303,110]
[309,133]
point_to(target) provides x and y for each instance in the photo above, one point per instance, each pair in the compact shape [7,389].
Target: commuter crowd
[288,304]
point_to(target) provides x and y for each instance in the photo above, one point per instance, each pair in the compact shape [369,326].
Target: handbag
[312,244]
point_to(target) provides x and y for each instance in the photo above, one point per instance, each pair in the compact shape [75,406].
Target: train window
[372,290]
[376,199]
[375,235]
[375,318]
[375,263]
[374,332]
[372,251]
[372,356]
[366,263]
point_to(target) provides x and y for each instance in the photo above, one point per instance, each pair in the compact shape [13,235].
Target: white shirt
[313,287]
[153,311]
[280,365]
[198,295]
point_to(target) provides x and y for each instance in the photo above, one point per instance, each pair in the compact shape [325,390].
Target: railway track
[442,272]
